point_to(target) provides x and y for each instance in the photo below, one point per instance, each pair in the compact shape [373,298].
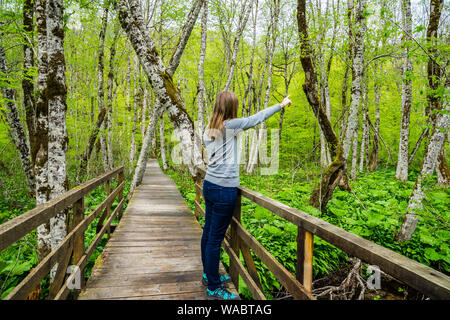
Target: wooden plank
[14,229]
[144,279]
[248,279]
[279,271]
[250,263]
[78,248]
[60,273]
[200,295]
[199,209]
[141,290]
[234,274]
[304,266]
[120,181]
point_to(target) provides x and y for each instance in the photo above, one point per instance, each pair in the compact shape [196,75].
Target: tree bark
[185,33]
[243,18]
[57,108]
[418,143]
[109,101]
[39,145]
[365,125]
[403,151]
[28,81]
[17,130]
[99,125]
[161,143]
[435,77]
[275,12]
[337,169]
[442,170]
[135,107]
[440,122]
[373,162]
[201,99]
[415,204]
[164,89]
[358,60]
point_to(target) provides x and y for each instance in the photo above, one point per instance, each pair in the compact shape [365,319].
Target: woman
[221,182]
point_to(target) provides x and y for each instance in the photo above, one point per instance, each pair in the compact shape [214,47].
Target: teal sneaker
[220,294]
[223,279]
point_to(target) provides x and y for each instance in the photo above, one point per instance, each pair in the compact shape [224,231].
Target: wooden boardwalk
[154,253]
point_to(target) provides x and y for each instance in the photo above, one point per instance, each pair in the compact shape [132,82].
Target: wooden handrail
[72,247]
[421,277]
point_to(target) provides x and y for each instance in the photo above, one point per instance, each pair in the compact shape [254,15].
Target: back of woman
[221,182]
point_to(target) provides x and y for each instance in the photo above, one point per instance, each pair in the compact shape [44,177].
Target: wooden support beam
[304,266]
[234,273]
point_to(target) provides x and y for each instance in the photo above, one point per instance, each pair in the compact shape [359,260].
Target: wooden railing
[432,283]
[71,250]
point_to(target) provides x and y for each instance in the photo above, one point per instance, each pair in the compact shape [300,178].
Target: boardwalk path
[154,253]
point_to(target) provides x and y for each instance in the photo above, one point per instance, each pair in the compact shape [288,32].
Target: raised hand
[286,102]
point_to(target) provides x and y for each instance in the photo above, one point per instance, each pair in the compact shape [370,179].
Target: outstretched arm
[257,118]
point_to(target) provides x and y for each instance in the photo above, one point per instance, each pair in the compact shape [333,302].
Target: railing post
[197,199]
[78,243]
[304,270]
[234,271]
[120,180]
[108,208]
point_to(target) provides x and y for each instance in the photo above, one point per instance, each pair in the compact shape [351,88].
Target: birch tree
[17,130]
[403,151]
[167,96]
[201,98]
[332,176]
[275,13]
[101,104]
[437,139]
[440,123]
[57,108]
[40,146]
[358,61]
[246,8]
[27,80]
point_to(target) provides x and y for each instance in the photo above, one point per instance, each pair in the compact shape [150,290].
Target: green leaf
[431,254]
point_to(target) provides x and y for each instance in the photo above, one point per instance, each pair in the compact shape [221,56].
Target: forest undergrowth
[373,210]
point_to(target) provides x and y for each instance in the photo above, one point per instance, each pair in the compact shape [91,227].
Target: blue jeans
[219,207]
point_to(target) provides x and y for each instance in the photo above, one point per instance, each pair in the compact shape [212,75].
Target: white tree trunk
[41,156]
[109,122]
[435,143]
[365,125]
[161,143]
[185,33]
[17,130]
[403,150]
[100,81]
[243,18]
[164,89]
[274,26]
[354,155]
[201,98]
[57,108]
[135,107]
[358,59]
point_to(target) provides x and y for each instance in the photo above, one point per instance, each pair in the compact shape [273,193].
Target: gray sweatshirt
[223,166]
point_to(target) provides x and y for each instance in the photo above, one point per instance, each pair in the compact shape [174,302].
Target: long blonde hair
[225,108]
